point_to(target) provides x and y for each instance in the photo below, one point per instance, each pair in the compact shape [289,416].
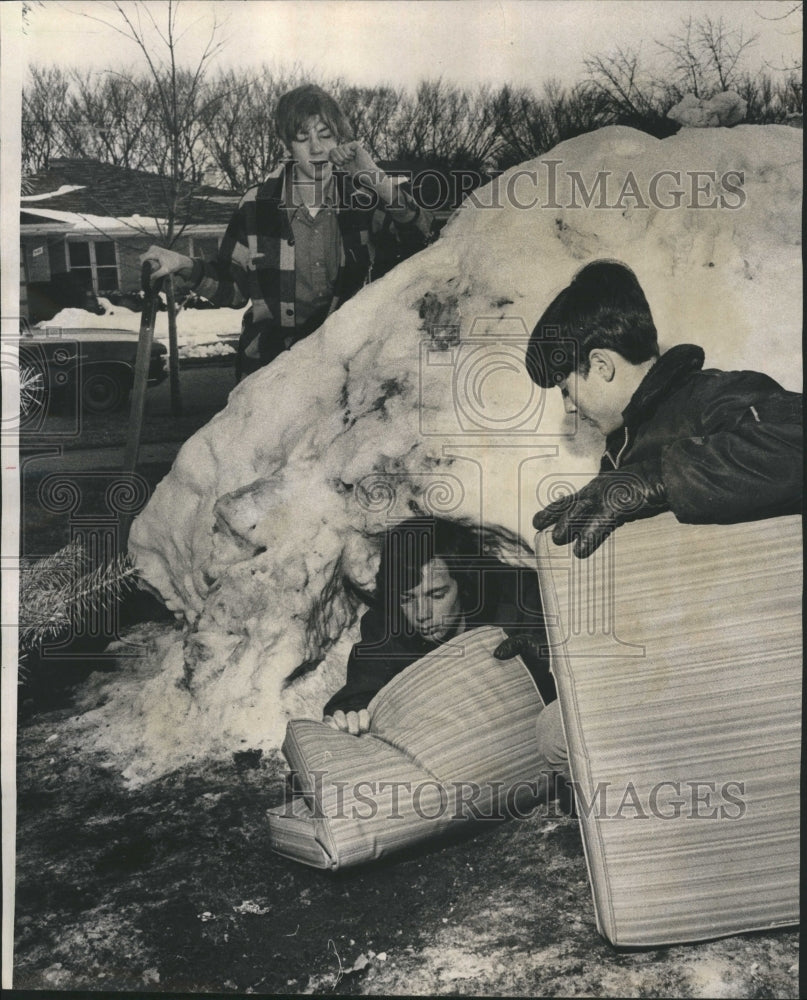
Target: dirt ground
[173,887]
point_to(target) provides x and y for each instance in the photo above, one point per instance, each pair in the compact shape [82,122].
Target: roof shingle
[107,190]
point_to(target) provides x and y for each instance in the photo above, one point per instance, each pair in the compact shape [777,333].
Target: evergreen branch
[58,590]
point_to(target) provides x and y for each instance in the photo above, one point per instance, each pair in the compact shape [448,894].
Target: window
[106,266]
[94,265]
[80,266]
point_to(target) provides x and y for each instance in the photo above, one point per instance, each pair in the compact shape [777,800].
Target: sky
[522,42]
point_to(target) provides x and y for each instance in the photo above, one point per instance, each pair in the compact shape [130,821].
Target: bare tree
[628,93]
[239,128]
[770,100]
[529,125]
[792,13]
[476,137]
[110,117]
[792,93]
[177,124]
[44,113]
[225,120]
[706,56]
[374,114]
[445,125]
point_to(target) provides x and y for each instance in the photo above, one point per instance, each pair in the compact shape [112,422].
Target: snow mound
[414,397]
[727,108]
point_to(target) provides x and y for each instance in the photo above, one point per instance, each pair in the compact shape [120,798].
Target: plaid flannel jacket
[256,258]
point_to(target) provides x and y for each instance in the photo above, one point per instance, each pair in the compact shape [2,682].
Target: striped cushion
[676,650]
[450,737]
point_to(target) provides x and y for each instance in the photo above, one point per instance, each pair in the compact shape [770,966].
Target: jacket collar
[671,368]
[273,186]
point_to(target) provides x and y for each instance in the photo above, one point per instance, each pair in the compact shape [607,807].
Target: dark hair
[604,306]
[465,548]
[296,107]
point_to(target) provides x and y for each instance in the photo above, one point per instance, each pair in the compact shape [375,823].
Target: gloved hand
[612,498]
[519,644]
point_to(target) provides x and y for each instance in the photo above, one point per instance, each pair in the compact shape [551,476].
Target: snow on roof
[63,189]
[90,188]
[95,223]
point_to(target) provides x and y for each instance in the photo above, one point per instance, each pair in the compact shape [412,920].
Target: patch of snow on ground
[195,327]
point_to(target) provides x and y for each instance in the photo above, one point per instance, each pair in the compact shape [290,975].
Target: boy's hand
[354,158]
[612,498]
[354,723]
[517,645]
[166,261]
[364,172]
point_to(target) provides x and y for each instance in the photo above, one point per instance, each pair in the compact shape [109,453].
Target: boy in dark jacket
[711,446]
[437,579]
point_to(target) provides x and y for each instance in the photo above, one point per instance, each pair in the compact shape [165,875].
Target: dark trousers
[272,341]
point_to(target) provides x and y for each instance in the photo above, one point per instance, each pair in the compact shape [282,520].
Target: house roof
[75,188]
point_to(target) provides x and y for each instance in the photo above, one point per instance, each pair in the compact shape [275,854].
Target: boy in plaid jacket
[304,241]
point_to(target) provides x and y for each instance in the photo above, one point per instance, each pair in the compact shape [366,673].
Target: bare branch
[794,8]
[706,55]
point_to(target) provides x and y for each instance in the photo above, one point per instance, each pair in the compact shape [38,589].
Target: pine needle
[61,589]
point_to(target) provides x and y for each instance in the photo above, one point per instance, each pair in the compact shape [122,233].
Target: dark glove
[518,645]
[612,498]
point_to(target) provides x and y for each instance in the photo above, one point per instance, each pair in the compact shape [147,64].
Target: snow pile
[206,350]
[414,397]
[726,108]
[199,331]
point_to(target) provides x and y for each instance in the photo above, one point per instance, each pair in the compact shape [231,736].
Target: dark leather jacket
[729,443]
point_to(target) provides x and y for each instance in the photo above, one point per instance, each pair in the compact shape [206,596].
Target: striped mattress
[676,651]
[452,738]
